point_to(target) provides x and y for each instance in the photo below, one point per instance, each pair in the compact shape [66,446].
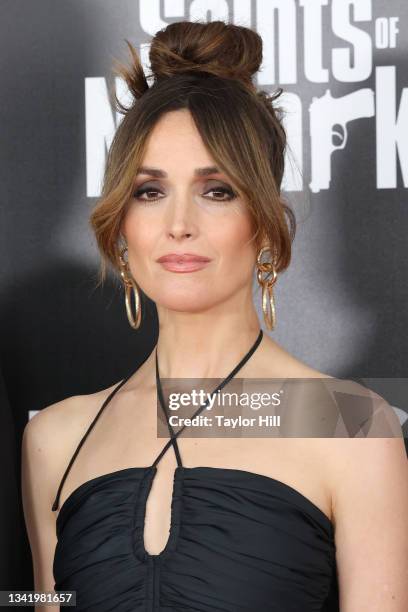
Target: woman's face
[181,204]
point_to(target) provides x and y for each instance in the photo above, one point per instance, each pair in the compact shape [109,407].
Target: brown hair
[206,68]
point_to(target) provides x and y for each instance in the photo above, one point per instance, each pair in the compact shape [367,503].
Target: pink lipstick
[183,262]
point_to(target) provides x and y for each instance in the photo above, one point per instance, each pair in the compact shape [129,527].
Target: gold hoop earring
[130,284]
[268,301]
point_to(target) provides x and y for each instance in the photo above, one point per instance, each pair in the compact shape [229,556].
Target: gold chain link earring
[268,301]
[130,284]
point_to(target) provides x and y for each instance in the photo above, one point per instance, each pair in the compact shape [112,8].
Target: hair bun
[218,48]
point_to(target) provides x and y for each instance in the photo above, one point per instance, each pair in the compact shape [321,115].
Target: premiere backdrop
[342,305]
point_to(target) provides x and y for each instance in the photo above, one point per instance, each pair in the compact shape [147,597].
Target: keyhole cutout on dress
[158,511]
[158,508]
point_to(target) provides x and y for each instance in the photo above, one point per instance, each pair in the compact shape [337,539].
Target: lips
[183,262]
[181,258]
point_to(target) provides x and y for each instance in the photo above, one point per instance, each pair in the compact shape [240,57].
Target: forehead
[175,141]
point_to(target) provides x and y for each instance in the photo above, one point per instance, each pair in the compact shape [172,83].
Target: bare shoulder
[371,439]
[275,361]
[365,460]
[51,435]
[46,439]
[49,439]
[369,483]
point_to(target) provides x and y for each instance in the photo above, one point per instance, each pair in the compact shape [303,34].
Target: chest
[235,537]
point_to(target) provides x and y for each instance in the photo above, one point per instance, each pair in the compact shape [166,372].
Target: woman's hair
[206,68]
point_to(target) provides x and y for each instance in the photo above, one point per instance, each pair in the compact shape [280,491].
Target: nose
[179,234]
[180,219]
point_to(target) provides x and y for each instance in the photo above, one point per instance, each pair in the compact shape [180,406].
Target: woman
[219,524]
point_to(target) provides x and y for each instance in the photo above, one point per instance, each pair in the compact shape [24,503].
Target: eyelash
[141,191]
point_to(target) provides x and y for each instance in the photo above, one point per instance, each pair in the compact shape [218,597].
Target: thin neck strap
[173,436]
[164,408]
[105,403]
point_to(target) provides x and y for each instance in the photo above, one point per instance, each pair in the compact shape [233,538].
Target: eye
[222,191]
[222,194]
[139,192]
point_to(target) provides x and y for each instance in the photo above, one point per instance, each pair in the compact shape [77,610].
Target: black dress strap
[105,403]
[173,438]
[164,408]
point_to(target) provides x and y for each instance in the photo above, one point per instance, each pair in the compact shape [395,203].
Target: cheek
[232,240]
[141,236]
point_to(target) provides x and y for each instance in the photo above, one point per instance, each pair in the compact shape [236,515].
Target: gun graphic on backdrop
[326,113]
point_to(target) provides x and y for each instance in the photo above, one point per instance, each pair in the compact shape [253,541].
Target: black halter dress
[238,541]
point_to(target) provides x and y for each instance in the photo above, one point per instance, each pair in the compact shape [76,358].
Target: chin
[187,305]
[184,299]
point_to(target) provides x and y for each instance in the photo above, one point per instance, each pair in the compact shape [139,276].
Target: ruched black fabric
[238,542]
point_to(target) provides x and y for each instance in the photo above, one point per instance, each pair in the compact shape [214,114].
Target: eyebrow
[156,172]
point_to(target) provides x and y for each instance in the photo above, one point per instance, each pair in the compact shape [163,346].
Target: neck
[198,346]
